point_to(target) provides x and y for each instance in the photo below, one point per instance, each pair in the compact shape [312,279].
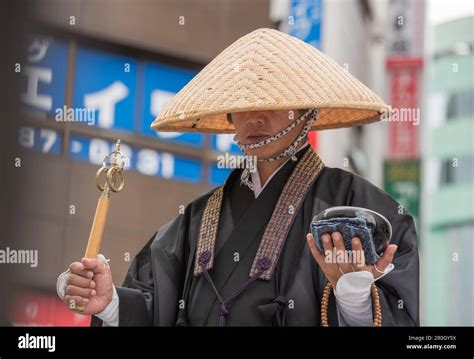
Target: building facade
[448,178]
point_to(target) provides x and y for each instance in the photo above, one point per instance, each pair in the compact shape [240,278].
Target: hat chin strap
[291,149]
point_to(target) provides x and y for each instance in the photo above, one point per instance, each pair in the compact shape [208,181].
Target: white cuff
[110,315]
[387,270]
[353,300]
[61,284]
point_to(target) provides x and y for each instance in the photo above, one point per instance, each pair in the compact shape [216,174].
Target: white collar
[257,185]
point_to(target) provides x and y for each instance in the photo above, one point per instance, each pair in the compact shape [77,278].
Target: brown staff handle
[97,230]
[114,182]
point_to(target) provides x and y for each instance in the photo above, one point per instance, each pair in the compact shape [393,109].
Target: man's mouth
[256,137]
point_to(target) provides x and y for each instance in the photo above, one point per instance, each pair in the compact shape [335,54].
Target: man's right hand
[89,284]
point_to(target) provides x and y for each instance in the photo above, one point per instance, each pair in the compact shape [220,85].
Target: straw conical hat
[269,70]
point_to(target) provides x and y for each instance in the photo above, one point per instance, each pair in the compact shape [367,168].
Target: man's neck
[266,169]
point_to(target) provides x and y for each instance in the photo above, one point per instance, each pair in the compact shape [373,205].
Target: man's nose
[256,120]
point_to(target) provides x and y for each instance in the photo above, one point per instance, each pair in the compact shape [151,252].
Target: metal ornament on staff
[114,181]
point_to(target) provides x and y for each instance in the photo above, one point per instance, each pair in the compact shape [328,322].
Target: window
[461,104]
[458,171]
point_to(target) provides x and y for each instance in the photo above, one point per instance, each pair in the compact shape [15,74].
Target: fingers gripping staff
[109,178]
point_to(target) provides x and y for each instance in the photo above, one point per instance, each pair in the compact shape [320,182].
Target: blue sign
[106,83]
[217,176]
[186,169]
[143,160]
[44,81]
[40,139]
[112,92]
[225,143]
[162,82]
[305,21]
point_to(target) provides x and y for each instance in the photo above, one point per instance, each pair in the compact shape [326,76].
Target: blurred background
[127,58]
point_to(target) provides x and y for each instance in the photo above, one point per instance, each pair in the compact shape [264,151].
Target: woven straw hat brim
[270,70]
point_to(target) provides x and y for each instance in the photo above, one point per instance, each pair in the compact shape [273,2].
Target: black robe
[161,290]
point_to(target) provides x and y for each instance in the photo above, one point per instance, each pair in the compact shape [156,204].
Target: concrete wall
[197,29]
[351,40]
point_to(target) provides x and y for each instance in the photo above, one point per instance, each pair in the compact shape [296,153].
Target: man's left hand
[342,263]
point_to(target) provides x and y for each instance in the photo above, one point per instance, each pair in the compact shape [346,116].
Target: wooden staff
[114,182]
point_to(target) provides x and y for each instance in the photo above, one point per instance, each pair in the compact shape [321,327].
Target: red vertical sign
[313,139]
[404,98]
[404,39]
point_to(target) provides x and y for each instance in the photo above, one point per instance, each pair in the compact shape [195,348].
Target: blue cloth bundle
[349,228]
